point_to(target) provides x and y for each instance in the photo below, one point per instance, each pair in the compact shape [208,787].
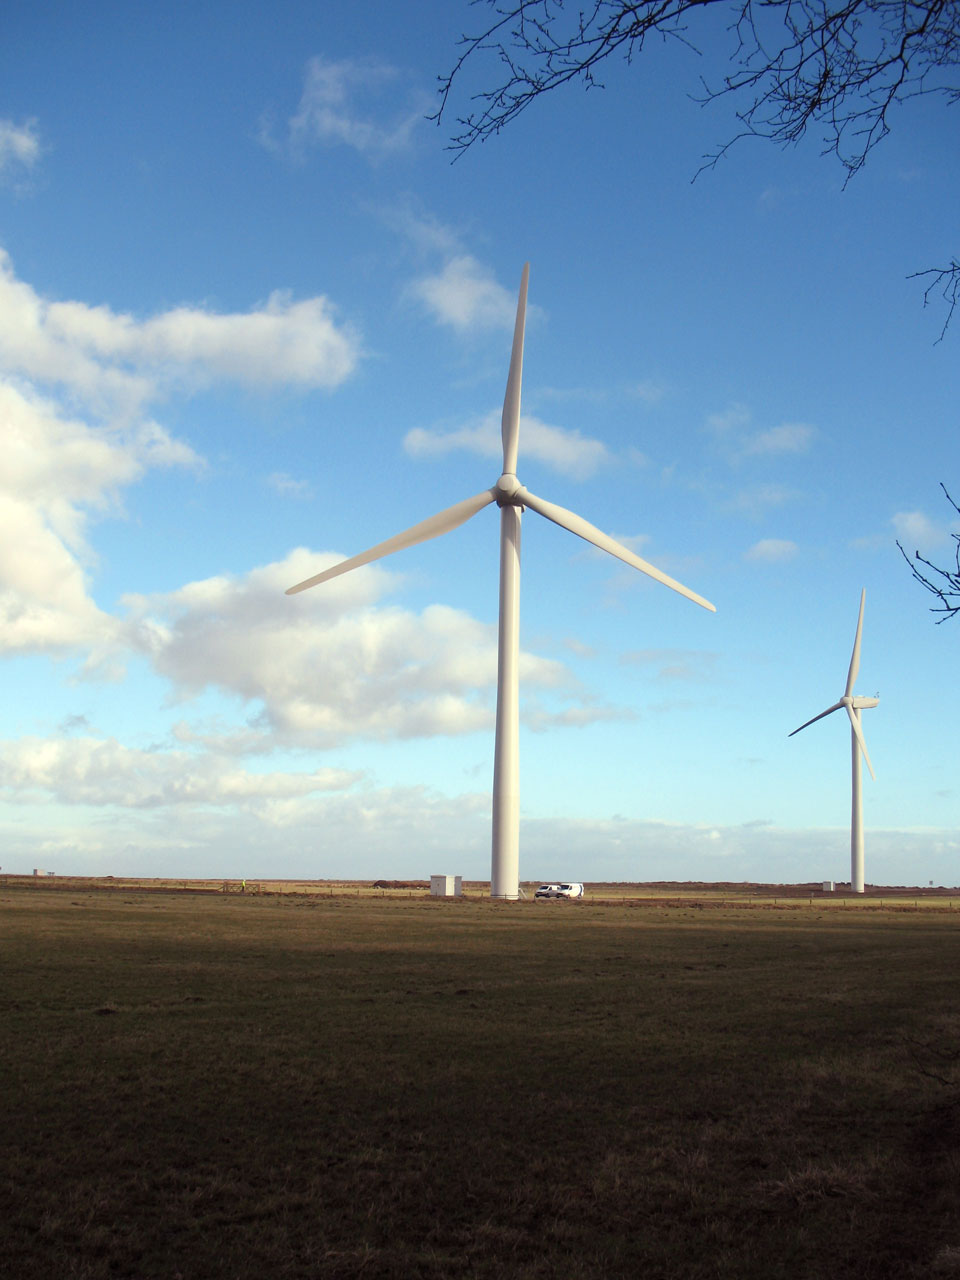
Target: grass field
[294,1085]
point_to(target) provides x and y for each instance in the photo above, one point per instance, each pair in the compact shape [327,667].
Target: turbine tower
[511,497]
[858,749]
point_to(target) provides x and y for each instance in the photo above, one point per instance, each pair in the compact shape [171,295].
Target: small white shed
[828,886]
[446,886]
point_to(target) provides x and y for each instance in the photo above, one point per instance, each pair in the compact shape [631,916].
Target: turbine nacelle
[851,702]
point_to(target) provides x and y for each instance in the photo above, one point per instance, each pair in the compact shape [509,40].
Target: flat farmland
[309,1085]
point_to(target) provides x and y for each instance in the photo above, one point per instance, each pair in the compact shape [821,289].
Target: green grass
[226,1086]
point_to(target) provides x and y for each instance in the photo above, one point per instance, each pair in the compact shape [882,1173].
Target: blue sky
[254,320]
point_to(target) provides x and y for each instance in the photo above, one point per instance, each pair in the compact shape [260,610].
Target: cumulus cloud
[335,110]
[57,471]
[458,291]
[19,148]
[465,295]
[102,771]
[55,462]
[44,602]
[565,451]
[75,385]
[330,665]
[110,358]
[771,551]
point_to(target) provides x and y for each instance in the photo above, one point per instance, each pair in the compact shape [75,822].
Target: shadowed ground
[249,1086]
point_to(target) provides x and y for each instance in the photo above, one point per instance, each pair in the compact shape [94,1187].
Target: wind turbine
[854,705]
[511,497]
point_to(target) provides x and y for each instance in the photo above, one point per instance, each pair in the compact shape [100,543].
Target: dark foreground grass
[229,1087]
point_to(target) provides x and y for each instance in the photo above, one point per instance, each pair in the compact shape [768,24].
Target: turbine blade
[583,529]
[855,656]
[829,711]
[442,522]
[510,421]
[858,733]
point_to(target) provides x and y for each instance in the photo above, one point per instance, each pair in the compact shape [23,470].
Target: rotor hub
[508,486]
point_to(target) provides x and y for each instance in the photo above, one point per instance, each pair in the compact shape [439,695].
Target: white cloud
[565,451]
[282,342]
[19,148]
[634,542]
[75,382]
[44,603]
[111,359]
[649,391]
[465,295]
[56,463]
[354,833]
[329,665]
[425,232]
[578,647]
[482,438]
[102,771]
[540,720]
[732,419]
[791,437]
[334,110]
[56,471]
[407,832]
[461,292]
[771,551]
[731,429]
[918,532]
[761,498]
[288,487]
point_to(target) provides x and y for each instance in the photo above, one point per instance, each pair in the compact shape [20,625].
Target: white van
[559,891]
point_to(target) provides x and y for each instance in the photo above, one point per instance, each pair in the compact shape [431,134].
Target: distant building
[446,886]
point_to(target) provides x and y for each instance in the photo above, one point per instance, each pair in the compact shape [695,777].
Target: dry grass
[688,895]
[224,1086]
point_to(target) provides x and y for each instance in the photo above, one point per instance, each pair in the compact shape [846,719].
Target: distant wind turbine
[854,705]
[511,497]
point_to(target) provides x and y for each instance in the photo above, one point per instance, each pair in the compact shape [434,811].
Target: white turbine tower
[854,705]
[511,497]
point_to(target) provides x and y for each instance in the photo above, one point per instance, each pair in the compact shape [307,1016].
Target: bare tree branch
[947,279]
[837,66]
[943,583]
